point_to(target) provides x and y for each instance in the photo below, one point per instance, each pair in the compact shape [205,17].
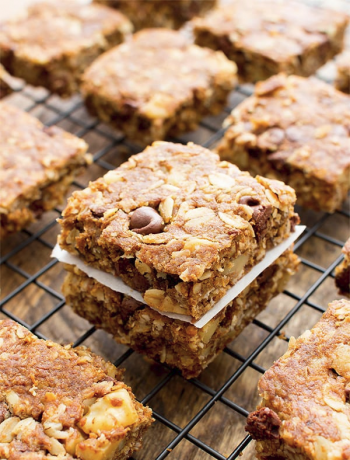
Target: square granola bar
[177,225]
[342,272]
[37,166]
[157,85]
[296,130]
[53,43]
[305,412]
[342,81]
[62,403]
[268,37]
[172,341]
[171,14]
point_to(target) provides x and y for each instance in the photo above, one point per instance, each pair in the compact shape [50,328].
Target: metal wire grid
[113,141]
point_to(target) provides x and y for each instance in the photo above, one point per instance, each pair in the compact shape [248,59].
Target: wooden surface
[222,428]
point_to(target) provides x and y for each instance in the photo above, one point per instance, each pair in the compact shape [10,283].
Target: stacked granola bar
[60,403]
[181,228]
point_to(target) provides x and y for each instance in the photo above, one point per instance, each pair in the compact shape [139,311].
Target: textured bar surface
[38,164]
[53,43]
[305,412]
[62,403]
[296,130]
[174,342]
[208,224]
[158,84]
[268,37]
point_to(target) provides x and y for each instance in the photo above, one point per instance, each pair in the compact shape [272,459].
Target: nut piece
[146,220]
[113,410]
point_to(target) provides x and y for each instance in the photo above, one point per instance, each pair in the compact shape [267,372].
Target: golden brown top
[32,155]
[277,30]
[59,401]
[298,123]
[156,72]
[205,205]
[50,31]
[309,387]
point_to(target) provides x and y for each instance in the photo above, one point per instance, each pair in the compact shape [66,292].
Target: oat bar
[342,81]
[342,272]
[177,225]
[171,14]
[63,403]
[53,43]
[37,166]
[296,130]
[157,85]
[177,343]
[304,413]
[268,37]
[5,83]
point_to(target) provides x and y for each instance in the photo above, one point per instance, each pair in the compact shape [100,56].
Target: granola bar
[174,342]
[305,412]
[342,272]
[53,43]
[342,81]
[268,37]
[177,225]
[171,14]
[296,130]
[37,165]
[62,403]
[157,84]
[5,83]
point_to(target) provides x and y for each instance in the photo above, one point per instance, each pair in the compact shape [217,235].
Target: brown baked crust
[176,343]
[268,37]
[157,84]
[296,130]
[38,164]
[209,240]
[171,14]
[53,43]
[342,81]
[342,272]
[48,394]
[5,83]
[308,389]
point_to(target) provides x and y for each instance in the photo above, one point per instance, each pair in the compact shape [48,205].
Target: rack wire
[184,431]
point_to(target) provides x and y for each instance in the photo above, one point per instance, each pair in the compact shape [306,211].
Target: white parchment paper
[116,284]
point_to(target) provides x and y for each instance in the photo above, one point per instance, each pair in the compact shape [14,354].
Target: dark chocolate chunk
[261,215]
[146,220]
[262,424]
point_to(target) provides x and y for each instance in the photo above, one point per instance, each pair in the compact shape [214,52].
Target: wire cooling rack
[201,418]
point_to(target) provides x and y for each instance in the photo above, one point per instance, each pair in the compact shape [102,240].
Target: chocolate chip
[98,211]
[249,201]
[146,220]
[261,215]
[262,424]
